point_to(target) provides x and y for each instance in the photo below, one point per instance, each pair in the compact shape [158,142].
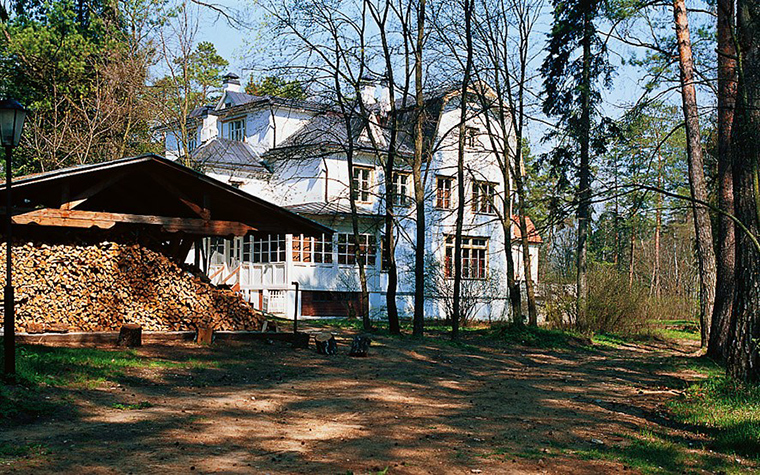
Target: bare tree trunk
[726,249]
[657,251]
[525,243]
[390,239]
[744,346]
[633,257]
[418,324]
[456,317]
[702,225]
[584,191]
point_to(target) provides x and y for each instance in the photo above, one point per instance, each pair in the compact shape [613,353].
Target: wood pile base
[100,287]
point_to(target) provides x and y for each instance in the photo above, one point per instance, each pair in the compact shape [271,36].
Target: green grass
[653,452]
[10,451]
[536,336]
[41,367]
[727,410]
[132,407]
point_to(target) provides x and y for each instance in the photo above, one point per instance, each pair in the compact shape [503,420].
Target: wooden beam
[103,220]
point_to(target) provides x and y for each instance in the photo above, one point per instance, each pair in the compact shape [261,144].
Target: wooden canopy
[147,192]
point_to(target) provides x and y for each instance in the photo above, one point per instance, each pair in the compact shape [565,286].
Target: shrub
[614,305]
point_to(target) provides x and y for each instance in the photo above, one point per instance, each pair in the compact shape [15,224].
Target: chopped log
[301,340]
[98,287]
[360,346]
[326,344]
[57,328]
[33,327]
[130,335]
[204,335]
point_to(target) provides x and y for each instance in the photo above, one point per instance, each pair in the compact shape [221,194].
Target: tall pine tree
[575,64]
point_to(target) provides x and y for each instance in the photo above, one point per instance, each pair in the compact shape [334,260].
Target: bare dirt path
[429,407]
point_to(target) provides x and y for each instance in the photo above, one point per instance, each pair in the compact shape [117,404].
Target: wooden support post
[204,335]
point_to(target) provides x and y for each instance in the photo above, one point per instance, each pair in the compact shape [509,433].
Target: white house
[293,153]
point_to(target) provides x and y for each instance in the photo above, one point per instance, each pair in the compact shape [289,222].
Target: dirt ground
[411,407]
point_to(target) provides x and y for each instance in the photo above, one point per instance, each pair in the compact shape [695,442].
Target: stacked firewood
[99,287]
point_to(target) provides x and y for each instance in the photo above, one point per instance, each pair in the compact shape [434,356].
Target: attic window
[471,137]
[236,130]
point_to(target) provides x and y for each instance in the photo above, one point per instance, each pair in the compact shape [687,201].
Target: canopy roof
[150,192]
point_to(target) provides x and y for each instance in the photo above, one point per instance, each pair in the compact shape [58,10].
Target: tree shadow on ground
[415,406]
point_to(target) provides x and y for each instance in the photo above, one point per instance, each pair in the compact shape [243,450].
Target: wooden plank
[88,219]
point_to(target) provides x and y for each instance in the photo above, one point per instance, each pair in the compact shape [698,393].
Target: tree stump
[360,346]
[130,335]
[204,335]
[326,344]
[301,340]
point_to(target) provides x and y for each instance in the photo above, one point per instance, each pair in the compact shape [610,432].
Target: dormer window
[471,137]
[362,184]
[236,130]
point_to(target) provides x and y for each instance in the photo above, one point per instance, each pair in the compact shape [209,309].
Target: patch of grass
[536,336]
[40,367]
[10,451]
[132,407]
[609,340]
[728,410]
[461,345]
[19,401]
[655,453]
[83,367]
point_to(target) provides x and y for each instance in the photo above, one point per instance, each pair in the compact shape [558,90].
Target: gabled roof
[152,192]
[226,154]
[329,130]
[232,99]
[533,236]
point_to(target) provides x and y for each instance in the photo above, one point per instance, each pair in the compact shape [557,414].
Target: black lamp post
[12,115]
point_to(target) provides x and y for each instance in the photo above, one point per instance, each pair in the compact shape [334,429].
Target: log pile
[100,287]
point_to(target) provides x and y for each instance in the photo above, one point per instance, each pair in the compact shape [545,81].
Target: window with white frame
[269,248]
[483,197]
[192,144]
[310,249]
[346,248]
[247,248]
[474,257]
[400,190]
[236,130]
[362,183]
[443,185]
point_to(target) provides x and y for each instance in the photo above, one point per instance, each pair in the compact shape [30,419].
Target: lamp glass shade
[12,115]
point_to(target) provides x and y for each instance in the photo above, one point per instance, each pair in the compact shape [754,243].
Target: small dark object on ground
[204,335]
[301,340]
[326,344]
[360,346]
[130,335]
